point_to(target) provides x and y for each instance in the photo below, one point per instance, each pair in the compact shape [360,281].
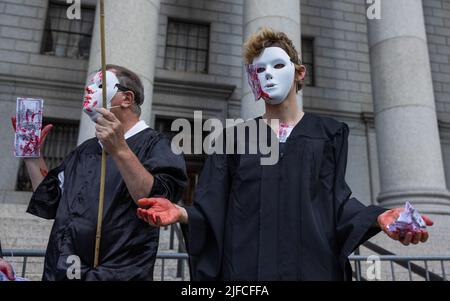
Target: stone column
[282,15]
[131,40]
[409,150]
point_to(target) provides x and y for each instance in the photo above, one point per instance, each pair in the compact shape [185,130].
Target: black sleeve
[168,170]
[355,222]
[45,200]
[205,232]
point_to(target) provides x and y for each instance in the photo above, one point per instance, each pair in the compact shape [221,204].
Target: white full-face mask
[275,72]
[93,93]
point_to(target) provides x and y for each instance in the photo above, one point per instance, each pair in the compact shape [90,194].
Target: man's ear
[128,99]
[300,74]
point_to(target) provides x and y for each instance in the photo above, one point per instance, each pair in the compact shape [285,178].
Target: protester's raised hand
[6,269]
[387,218]
[158,211]
[44,131]
[110,132]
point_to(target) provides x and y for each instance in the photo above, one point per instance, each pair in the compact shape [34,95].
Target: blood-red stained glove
[7,269]
[158,212]
[414,237]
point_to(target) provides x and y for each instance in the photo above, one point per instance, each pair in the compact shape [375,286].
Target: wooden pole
[103,163]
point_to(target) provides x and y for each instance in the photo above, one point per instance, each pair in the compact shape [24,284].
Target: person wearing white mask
[139,163]
[295,220]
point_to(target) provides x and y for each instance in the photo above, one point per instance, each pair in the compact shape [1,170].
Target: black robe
[291,221]
[128,245]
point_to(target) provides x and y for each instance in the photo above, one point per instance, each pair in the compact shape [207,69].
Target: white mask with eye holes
[276,74]
[93,96]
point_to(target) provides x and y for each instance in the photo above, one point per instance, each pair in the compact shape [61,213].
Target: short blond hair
[267,37]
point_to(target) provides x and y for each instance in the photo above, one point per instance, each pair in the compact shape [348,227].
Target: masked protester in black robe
[69,194]
[293,220]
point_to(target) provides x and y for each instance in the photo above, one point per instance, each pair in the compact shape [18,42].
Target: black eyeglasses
[123,88]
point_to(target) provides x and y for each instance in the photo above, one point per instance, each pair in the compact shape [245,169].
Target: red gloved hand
[390,216]
[158,212]
[7,269]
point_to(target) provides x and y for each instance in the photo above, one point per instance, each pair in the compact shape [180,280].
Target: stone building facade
[388,78]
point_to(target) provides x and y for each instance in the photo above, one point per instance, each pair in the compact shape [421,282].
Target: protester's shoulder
[87,145]
[324,126]
[150,133]
[150,137]
[153,134]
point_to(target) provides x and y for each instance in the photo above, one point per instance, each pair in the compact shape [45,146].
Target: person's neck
[286,112]
[128,123]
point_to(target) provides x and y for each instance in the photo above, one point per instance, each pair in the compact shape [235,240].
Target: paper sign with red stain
[28,127]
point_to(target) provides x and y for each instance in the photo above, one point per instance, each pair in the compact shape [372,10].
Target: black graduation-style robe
[294,220]
[128,245]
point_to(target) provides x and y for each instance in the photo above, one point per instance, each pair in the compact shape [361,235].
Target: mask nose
[269,73]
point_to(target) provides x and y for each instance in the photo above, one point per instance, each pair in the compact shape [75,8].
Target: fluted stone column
[131,40]
[282,15]
[409,150]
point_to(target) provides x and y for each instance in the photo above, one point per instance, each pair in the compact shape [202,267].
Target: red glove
[7,269]
[390,216]
[158,212]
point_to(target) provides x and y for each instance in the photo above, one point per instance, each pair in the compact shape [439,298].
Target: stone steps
[20,230]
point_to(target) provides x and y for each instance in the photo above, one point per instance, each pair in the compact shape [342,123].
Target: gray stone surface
[24,72]
[437,21]
[410,155]
[225,55]
[342,73]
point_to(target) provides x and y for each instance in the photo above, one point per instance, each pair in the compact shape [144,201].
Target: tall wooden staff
[103,166]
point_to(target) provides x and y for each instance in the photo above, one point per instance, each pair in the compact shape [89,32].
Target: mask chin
[277,99]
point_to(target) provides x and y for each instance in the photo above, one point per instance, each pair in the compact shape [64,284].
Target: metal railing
[410,263]
[182,262]
[406,265]
[161,257]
